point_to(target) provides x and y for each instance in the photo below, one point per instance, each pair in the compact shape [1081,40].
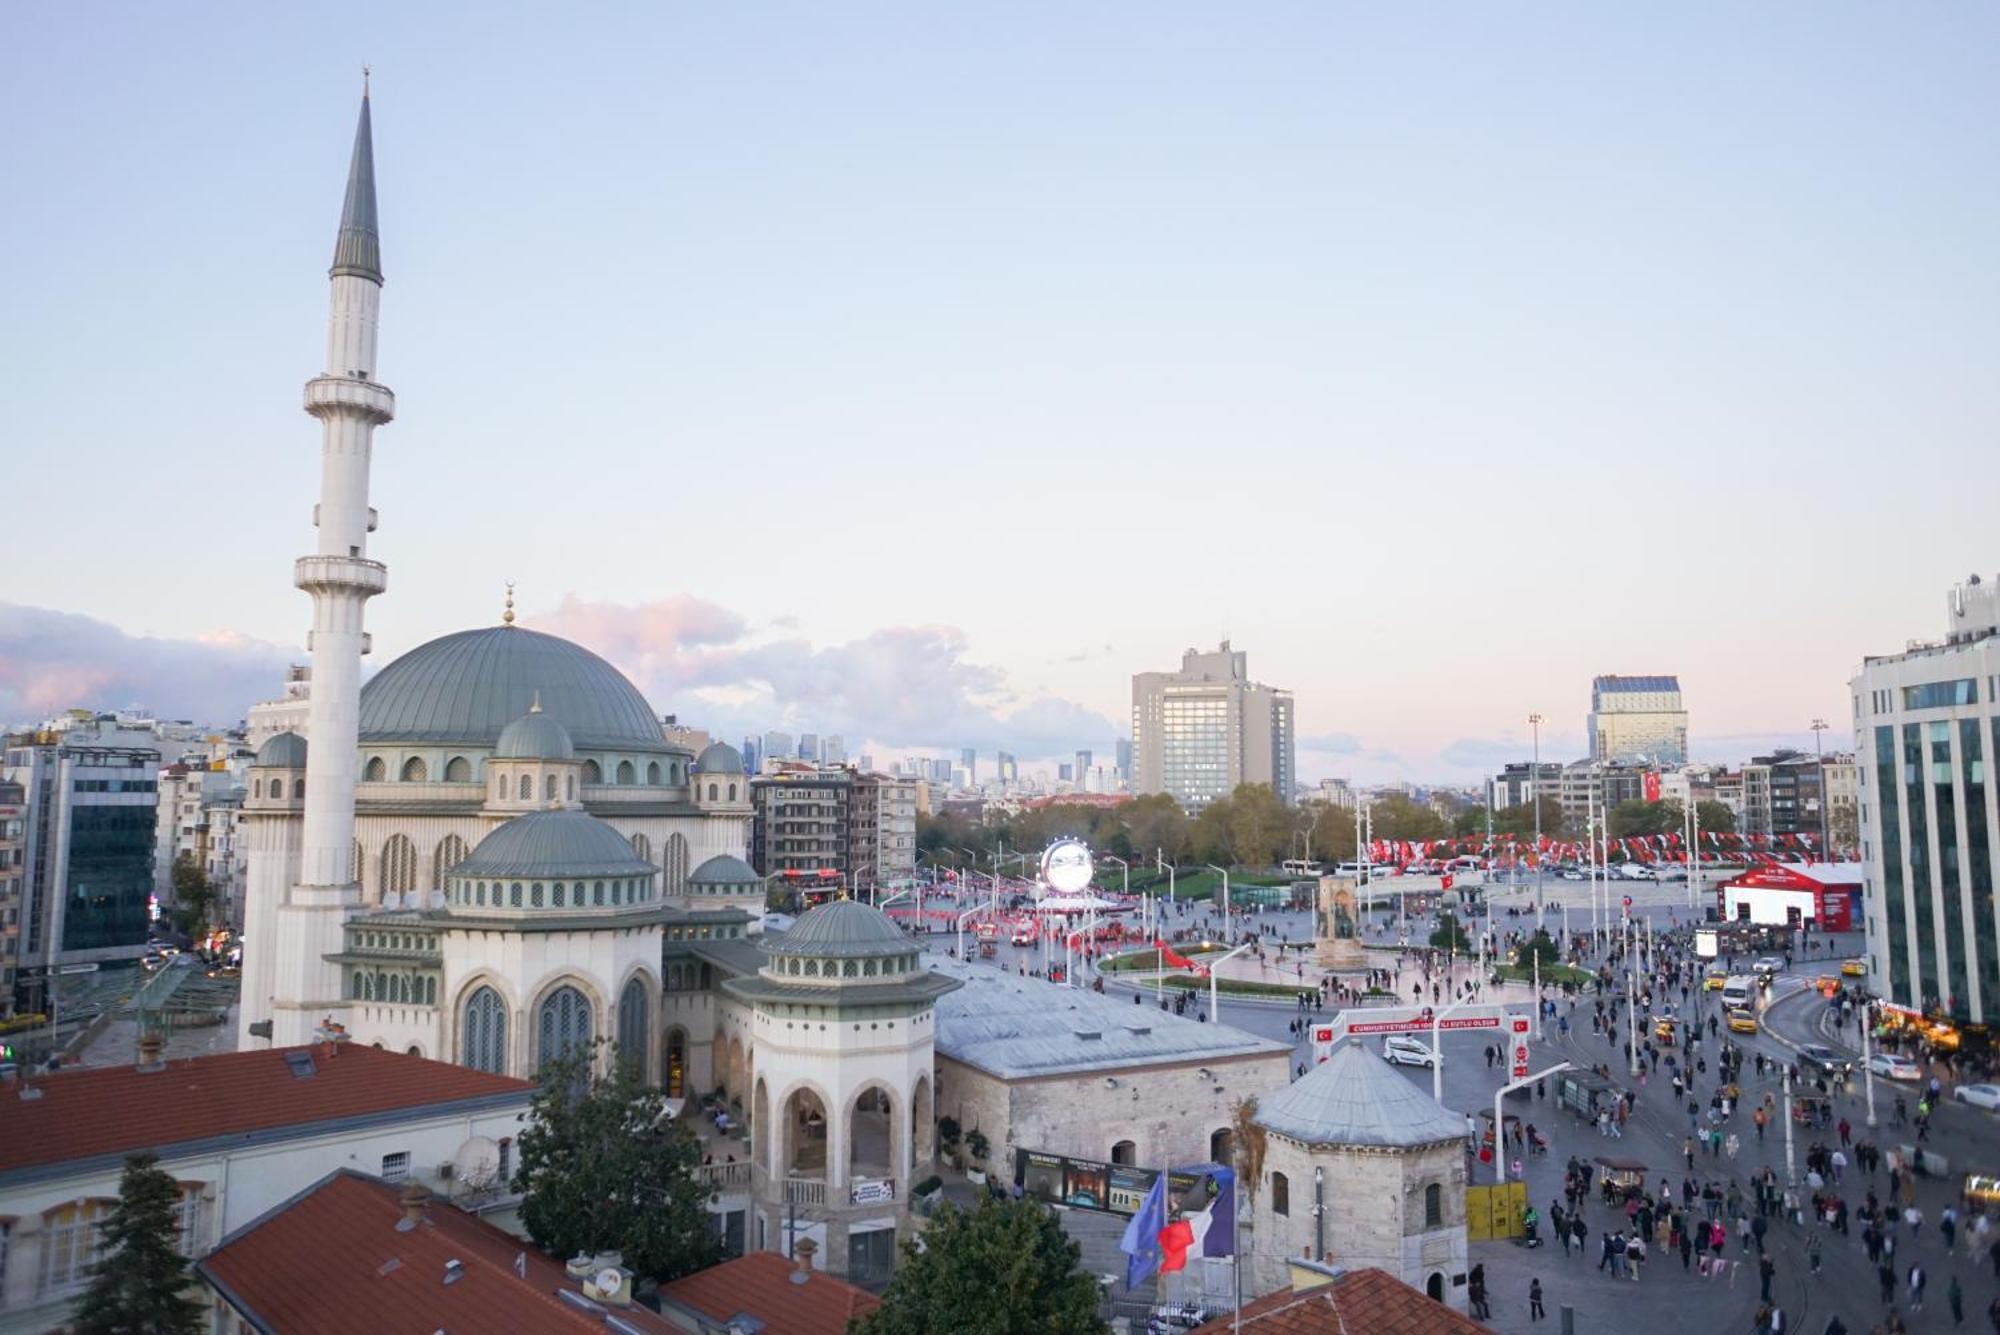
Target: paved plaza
[1667,1296]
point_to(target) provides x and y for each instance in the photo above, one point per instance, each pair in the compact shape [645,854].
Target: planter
[976,1176]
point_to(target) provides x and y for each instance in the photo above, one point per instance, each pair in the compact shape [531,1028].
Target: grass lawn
[1554,975]
[1235,987]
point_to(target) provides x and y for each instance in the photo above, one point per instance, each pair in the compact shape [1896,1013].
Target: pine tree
[140,1288]
[1001,1267]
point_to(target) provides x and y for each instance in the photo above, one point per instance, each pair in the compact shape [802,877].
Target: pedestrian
[1812,1250]
[1767,1269]
[1955,1295]
[1917,1279]
[1535,1310]
[1885,1277]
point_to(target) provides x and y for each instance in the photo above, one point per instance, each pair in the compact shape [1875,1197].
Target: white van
[1738,991]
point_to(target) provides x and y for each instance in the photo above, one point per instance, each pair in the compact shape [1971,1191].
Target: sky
[919,373]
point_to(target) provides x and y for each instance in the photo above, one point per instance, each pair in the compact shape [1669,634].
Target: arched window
[549,789]
[632,1026]
[565,1025]
[484,1044]
[450,852]
[414,770]
[299,789]
[430,991]
[560,894]
[642,848]
[676,865]
[374,771]
[711,792]
[458,770]
[625,772]
[732,792]
[399,865]
[1281,1194]
[1125,1154]
[354,862]
[569,784]
[597,894]
[653,774]
[514,896]
[592,772]
[535,895]
[1434,1206]
[354,987]
[526,789]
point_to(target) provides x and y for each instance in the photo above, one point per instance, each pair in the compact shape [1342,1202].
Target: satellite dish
[608,1280]
[477,1160]
[1066,866]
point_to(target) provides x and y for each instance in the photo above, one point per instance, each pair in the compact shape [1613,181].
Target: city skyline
[1693,303]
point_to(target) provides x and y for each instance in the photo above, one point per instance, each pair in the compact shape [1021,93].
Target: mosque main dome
[464,689]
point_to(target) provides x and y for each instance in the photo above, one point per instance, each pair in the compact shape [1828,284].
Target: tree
[1001,1267]
[1719,819]
[604,1168]
[1637,818]
[194,897]
[1258,824]
[140,1289]
[1537,945]
[1152,822]
[1449,935]
[1251,1144]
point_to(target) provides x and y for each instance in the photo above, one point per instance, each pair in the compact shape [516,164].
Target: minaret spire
[358,248]
[300,930]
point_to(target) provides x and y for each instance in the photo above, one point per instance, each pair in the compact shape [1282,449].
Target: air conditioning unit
[446,1170]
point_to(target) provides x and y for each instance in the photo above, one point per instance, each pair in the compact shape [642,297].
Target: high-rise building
[1927,733]
[753,755]
[833,751]
[809,747]
[87,848]
[778,746]
[1066,772]
[1007,769]
[1125,759]
[13,860]
[969,758]
[1199,732]
[1082,771]
[1637,720]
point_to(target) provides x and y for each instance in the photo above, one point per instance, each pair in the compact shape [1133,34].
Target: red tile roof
[760,1284]
[1359,1302]
[115,1110]
[330,1262]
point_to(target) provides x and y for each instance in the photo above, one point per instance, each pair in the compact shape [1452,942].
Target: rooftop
[1014,1027]
[563,842]
[111,1111]
[1615,685]
[760,1285]
[1354,1098]
[332,1261]
[1356,1302]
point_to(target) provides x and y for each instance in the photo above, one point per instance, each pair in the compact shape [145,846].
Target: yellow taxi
[1666,1028]
[1715,978]
[1855,968]
[1742,1021]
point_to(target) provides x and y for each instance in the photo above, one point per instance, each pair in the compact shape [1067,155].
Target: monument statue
[1337,927]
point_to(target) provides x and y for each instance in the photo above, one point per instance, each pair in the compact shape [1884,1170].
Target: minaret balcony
[340,395]
[340,574]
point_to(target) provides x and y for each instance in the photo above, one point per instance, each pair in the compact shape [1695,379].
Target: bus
[1300,867]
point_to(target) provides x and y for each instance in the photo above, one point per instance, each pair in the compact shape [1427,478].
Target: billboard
[1090,1184]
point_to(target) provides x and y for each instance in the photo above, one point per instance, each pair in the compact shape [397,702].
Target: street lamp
[1225,896]
[1819,727]
[1535,788]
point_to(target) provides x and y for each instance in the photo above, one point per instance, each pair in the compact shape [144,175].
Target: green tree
[1449,935]
[1719,819]
[1332,831]
[1538,945]
[604,1168]
[1636,818]
[194,897]
[141,1287]
[1259,825]
[1149,823]
[1001,1267]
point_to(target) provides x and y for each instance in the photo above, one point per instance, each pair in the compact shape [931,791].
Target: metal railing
[721,1175]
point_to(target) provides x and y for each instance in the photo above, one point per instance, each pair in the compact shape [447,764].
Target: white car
[1769,964]
[1893,1067]
[1979,1096]
[1406,1051]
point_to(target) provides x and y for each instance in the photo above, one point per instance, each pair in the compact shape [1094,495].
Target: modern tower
[1199,732]
[350,404]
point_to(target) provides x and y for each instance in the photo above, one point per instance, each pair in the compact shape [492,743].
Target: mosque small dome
[561,843]
[719,758]
[843,929]
[534,736]
[283,750]
[722,869]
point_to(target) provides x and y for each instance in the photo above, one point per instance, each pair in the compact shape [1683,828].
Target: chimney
[803,1251]
[150,1044]
[413,1199]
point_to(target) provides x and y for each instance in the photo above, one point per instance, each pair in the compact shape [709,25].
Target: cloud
[51,661]
[1333,743]
[898,687]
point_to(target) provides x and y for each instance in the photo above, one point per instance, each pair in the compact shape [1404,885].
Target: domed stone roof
[562,843]
[534,736]
[843,929]
[466,688]
[719,758]
[282,750]
[1353,1098]
[722,869]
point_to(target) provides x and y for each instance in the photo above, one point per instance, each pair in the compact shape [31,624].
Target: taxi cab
[1715,978]
[1742,1021]
[1666,1028]
[1855,968]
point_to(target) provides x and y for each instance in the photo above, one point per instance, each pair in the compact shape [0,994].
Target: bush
[976,1144]
[1536,947]
[948,1132]
[929,1185]
[1449,935]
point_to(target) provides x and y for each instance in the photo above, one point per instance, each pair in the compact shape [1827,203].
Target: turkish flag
[1175,1239]
[1444,881]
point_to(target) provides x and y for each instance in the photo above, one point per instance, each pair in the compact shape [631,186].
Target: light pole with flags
[1535,792]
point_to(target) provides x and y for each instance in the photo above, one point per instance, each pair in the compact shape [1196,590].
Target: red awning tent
[1825,893]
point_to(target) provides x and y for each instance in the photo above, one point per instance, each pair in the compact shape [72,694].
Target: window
[1125,1154]
[399,865]
[625,772]
[458,770]
[560,894]
[632,1025]
[72,1245]
[1433,1206]
[450,852]
[642,848]
[299,789]
[549,788]
[565,1025]
[732,792]
[396,1167]
[514,896]
[592,772]
[189,1216]
[711,792]
[484,1044]
[1281,1194]
[1942,694]
[506,1161]
[414,770]
[527,788]
[653,773]
[375,771]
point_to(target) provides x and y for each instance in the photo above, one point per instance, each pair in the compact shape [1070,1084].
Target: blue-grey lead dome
[554,844]
[467,687]
[722,869]
[842,929]
[719,758]
[282,750]
[534,736]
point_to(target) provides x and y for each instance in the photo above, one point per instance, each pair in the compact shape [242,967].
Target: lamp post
[1437,1047]
[1819,727]
[1867,1067]
[1225,896]
[1535,789]
[1215,996]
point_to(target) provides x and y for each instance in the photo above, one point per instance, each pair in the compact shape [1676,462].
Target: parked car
[1979,1096]
[1768,964]
[1893,1066]
[1820,1056]
[1406,1051]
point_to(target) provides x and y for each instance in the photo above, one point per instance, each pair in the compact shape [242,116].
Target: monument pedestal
[1337,946]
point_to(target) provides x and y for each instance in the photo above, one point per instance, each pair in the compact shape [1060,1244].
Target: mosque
[492,855]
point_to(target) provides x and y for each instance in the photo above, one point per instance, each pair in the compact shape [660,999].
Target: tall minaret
[341,579]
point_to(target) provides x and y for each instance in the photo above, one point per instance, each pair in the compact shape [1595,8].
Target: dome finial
[507,616]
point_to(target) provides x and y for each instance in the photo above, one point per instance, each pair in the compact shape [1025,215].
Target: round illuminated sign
[1066,866]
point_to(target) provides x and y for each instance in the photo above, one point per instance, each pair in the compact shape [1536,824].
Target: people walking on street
[1767,1269]
[1917,1280]
[1535,1309]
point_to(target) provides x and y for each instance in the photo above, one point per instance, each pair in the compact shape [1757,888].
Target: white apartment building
[1637,720]
[1926,730]
[1199,732]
